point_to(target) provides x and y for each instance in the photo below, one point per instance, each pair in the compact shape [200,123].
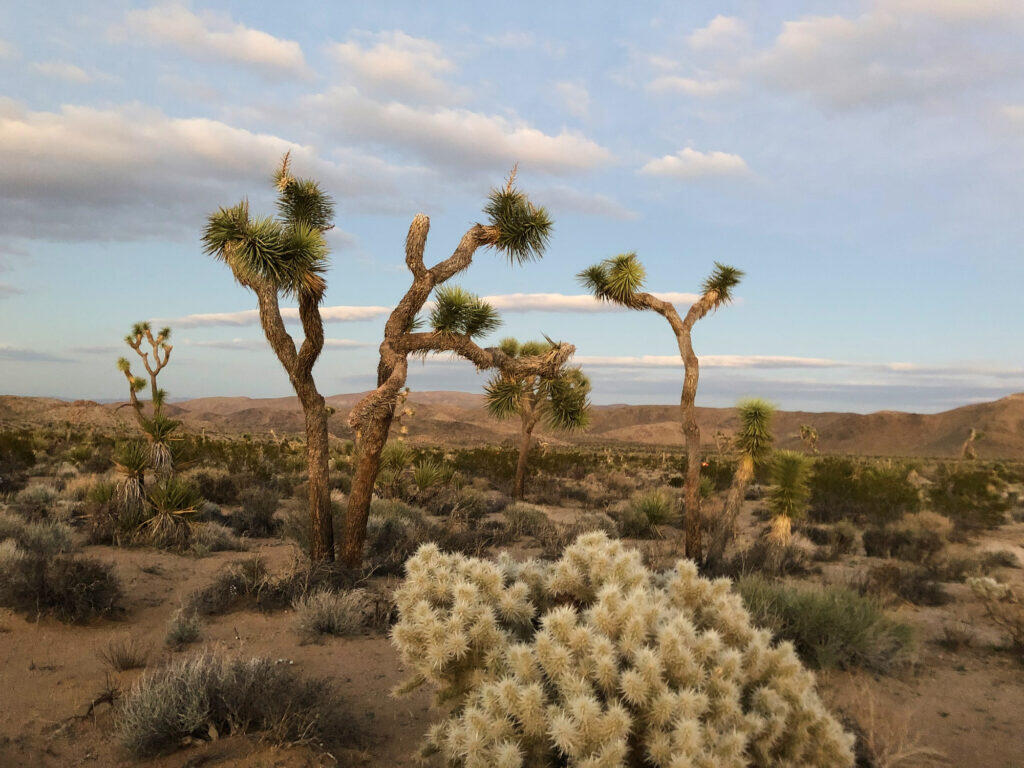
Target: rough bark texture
[529,421]
[723,531]
[299,366]
[372,416]
[682,328]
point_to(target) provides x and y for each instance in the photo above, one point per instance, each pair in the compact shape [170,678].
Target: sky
[860,161]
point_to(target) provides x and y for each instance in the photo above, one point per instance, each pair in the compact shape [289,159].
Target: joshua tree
[619,280]
[561,401]
[279,256]
[515,228]
[790,492]
[967,450]
[809,435]
[754,445]
[156,426]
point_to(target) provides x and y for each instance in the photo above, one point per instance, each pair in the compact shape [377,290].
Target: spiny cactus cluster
[593,661]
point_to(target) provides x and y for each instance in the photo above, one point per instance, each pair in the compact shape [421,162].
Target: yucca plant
[279,256]
[809,436]
[562,401]
[131,460]
[428,473]
[620,280]
[753,444]
[174,505]
[515,228]
[790,492]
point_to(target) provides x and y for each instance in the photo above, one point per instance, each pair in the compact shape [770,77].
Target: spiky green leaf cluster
[458,312]
[618,279]
[754,438]
[790,490]
[302,200]
[593,661]
[173,495]
[131,458]
[503,396]
[566,400]
[721,282]
[291,256]
[523,229]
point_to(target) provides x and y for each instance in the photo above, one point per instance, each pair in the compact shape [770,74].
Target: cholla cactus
[595,662]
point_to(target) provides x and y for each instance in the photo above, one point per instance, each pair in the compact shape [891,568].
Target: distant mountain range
[459,418]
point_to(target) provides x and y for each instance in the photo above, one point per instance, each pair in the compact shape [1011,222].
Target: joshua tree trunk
[682,328]
[372,416]
[299,366]
[733,502]
[525,438]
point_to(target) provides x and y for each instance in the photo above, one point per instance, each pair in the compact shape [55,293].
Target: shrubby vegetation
[594,660]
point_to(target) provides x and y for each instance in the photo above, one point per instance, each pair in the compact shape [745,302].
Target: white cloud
[956,10]
[454,137]
[6,290]
[261,344]
[154,175]
[23,355]
[62,70]
[213,36]
[691,86]
[337,314]
[561,302]
[396,65]
[573,97]
[1014,113]
[722,32]
[560,198]
[690,163]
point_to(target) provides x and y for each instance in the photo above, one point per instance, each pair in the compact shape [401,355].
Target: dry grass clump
[831,627]
[124,654]
[640,517]
[35,502]
[595,661]
[327,612]
[183,629]
[1004,607]
[526,520]
[885,739]
[206,696]
[256,517]
[904,582]
[44,537]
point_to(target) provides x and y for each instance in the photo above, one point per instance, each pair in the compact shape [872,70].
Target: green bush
[45,537]
[842,489]
[526,520]
[183,628]
[831,627]
[70,587]
[971,497]
[638,519]
[206,696]
[256,517]
[906,582]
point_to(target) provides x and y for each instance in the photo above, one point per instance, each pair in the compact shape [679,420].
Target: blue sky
[861,161]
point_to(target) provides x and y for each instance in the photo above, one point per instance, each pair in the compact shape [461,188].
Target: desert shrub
[526,520]
[639,518]
[835,540]
[183,629]
[70,587]
[256,517]
[971,497]
[35,502]
[390,541]
[595,661]
[44,537]
[558,537]
[719,471]
[213,537]
[832,627]
[906,582]
[918,537]
[1004,607]
[207,695]
[842,489]
[217,486]
[16,453]
[101,492]
[326,612]
[770,558]
[1000,558]
[124,654]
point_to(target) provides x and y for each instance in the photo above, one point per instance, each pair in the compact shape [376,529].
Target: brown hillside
[459,418]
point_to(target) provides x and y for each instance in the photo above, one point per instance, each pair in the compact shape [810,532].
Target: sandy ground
[968,704]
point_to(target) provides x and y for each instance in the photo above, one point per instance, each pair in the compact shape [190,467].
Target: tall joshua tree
[515,228]
[561,401]
[754,444]
[156,426]
[620,280]
[286,255]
